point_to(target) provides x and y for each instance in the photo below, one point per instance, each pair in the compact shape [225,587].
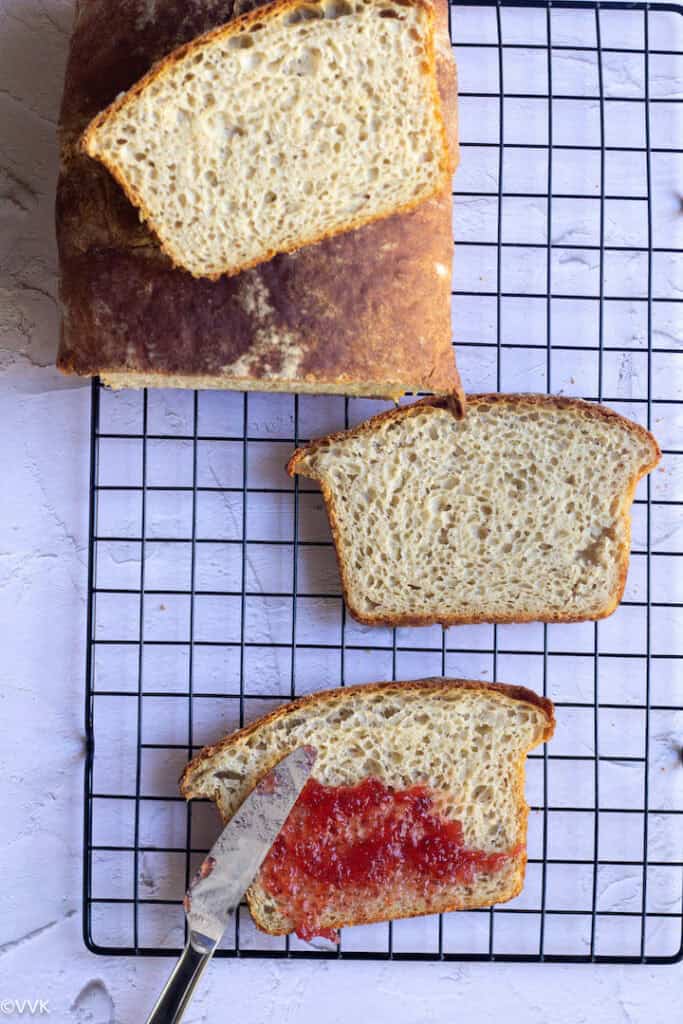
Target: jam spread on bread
[351,842]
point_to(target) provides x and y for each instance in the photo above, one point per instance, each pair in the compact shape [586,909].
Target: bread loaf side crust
[511,881]
[378,389]
[300,317]
[581,408]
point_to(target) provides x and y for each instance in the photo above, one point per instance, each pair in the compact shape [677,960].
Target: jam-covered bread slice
[415,806]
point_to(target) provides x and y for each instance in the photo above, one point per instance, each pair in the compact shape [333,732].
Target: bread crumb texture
[465,741]
[291,124]
[519,511]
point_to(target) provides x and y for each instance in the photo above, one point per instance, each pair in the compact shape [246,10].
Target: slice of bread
[290,124]
[518,512]
[455,747]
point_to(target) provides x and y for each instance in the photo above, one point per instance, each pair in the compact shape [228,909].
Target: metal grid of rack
[213,593]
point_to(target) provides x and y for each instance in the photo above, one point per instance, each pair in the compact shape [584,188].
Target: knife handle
[172,1002]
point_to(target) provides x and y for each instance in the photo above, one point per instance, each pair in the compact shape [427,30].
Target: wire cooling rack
[213,590]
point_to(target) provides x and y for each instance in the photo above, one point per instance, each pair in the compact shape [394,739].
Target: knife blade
[227,872]
[236,856]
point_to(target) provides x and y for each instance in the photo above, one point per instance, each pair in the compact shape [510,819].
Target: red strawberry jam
[345,842]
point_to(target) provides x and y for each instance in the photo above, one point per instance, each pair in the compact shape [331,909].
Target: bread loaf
[364,313]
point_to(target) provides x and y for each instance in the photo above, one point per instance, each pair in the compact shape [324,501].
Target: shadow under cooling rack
[213,590]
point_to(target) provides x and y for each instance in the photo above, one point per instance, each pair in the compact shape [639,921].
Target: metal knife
[226,874]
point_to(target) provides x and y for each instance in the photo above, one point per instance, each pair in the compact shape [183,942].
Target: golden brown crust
[447,80]
[379,390]
[325,699]
[127,310]
[554,401]
[235,27]
[298,385]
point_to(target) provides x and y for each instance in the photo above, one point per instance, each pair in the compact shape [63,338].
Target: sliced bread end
[290,124]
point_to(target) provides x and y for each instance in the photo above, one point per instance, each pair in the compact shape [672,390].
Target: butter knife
[226,874]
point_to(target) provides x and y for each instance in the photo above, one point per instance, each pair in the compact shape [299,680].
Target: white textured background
[44,426]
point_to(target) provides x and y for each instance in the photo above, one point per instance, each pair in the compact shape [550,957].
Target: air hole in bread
[306,12]
[243,41]
[337,9]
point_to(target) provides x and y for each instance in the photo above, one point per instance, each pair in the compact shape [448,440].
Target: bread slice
[290,124]
[519,512]
[462,744]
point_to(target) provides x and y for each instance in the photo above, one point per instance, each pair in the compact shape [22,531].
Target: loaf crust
[366,312]
[581,408]
[196,779]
